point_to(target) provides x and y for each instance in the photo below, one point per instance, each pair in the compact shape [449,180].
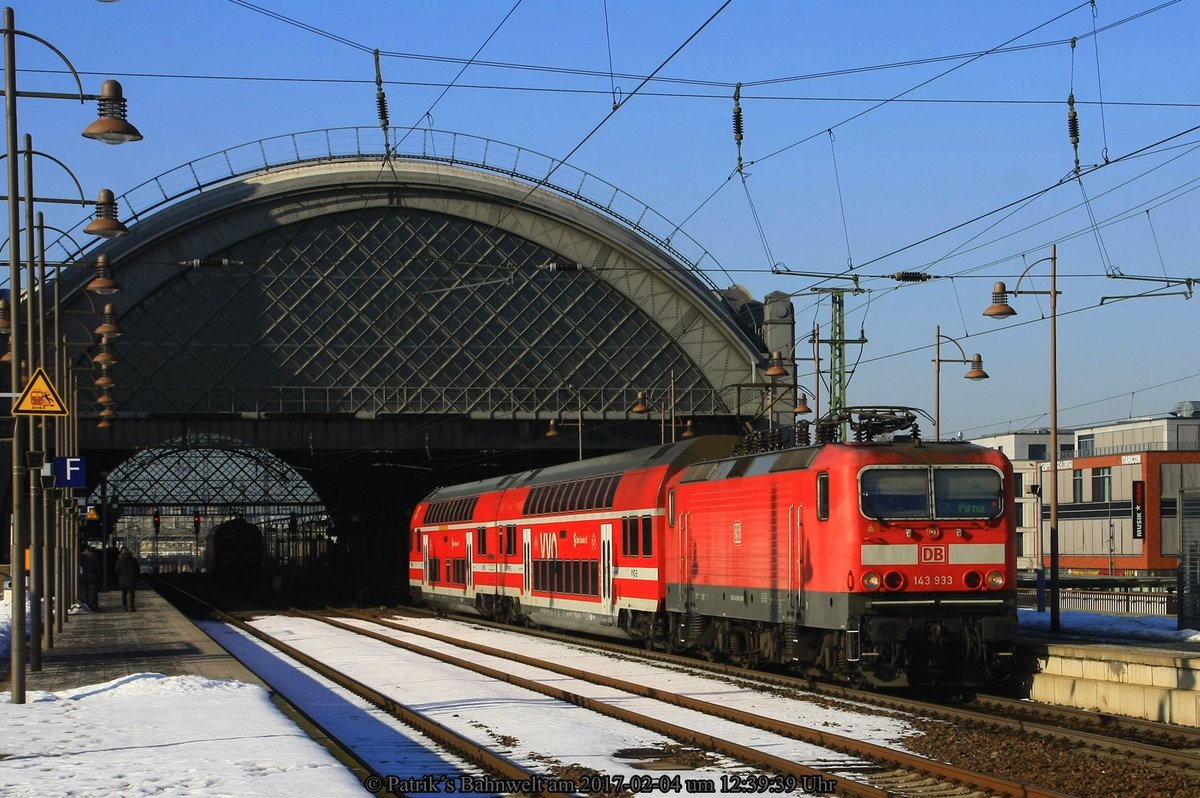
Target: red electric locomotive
[889,562]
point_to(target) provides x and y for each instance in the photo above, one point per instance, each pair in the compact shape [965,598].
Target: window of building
[1037,451]
[1077,486]
[1019,504]
[1101,484]
[1085,445]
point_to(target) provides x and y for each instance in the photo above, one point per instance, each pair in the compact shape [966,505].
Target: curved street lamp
[976,372]
[112,128]
[1000,309]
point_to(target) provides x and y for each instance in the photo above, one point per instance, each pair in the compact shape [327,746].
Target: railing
[477,401]
[533,168]
[1108,602]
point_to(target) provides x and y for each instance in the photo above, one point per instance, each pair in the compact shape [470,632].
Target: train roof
[674,455]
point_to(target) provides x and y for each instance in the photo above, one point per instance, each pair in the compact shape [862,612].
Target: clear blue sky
[977,122]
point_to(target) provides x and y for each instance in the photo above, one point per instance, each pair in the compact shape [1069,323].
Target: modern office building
[1124,490]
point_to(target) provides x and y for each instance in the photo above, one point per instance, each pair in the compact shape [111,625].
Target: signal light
[157,521]
[196,522]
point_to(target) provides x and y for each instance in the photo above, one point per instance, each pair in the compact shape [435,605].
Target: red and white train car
[890,562]
[574,546]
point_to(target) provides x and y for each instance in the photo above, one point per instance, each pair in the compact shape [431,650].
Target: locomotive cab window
[939,492]
[967,492]
[895,492]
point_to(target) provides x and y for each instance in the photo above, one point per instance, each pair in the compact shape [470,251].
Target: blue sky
[877,139]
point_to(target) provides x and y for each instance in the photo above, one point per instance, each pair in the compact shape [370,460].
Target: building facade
[1123,490]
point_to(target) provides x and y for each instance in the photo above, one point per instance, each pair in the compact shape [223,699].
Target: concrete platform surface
[97,647]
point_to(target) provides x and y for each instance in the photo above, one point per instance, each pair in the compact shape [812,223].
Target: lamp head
[802,408]
[553,432]
[1000,308]
[106,224]
[976,372]
[640,405]
[775,366]
[103,282]
[111,127]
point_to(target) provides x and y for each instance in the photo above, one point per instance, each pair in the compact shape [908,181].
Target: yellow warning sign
[39,398]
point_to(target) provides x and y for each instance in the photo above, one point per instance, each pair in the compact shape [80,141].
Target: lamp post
[643,404]
[976,372]
[553,431]
[111,128]
[1001,309]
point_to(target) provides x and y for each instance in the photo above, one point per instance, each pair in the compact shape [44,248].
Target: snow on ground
[148,734]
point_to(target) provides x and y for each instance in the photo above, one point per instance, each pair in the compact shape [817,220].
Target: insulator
[561,266]
[737,124]
[1073,126]
[803,438]
[381,102]
[910,277]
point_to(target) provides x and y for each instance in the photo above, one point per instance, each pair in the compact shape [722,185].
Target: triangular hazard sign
[39,398]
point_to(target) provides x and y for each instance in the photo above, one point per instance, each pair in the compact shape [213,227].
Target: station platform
[1138,679]
[97,647]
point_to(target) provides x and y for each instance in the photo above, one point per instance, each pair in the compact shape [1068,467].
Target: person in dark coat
[89,578]
[128,571]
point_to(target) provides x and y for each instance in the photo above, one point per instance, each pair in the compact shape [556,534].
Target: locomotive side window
[823,496]
[895,492]
[671,508]
[967,492]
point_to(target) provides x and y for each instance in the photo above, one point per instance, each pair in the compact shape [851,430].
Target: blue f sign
[70,472]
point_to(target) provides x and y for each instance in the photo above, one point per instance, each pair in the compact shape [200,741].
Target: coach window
[481,540]
[823,496]
[610,491]
[511,547]
[647,536]
[416,540]
[671,508]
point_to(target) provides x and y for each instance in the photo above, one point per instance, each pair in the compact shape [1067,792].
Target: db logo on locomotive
[932,554]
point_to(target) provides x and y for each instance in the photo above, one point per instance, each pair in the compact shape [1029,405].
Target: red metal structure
[889,562]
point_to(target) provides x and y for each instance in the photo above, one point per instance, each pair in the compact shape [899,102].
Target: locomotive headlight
[995,580]
[870,580]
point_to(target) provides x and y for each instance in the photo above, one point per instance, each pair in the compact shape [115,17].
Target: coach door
[469,576]
[607,598]
[795,601]
[685,562]
[426,580]
[526,561]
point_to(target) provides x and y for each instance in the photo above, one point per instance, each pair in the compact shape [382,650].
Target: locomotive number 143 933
[927,580]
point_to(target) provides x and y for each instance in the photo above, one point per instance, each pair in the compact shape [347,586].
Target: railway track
[1085,753]
[1152,747]
[885,771]
[862,769]
[1112,736]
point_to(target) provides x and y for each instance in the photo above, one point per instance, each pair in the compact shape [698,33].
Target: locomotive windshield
[908,492]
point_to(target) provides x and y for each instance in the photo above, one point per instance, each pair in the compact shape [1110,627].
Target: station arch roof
[333,280]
